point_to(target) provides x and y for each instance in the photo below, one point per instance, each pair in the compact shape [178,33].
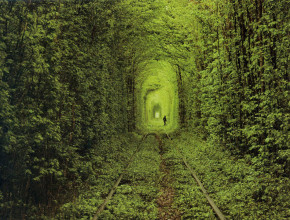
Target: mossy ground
[237,187]
[135,197]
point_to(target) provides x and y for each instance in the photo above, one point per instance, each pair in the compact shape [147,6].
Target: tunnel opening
[156,97]
[156,111]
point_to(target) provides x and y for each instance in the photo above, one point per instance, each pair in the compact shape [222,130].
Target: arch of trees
[156,86]
[69,73]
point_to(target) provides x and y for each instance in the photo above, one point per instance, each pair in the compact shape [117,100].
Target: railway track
[208,198]
[214,207]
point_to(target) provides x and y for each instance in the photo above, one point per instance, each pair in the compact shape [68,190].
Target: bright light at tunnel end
[157,96]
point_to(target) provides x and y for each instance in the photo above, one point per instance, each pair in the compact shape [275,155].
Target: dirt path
[165,200]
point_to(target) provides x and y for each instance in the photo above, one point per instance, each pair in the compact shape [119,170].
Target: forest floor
[165,201]
[158,186]
[241,188]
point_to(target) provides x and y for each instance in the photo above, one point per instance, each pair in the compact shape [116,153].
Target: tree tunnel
[156,97]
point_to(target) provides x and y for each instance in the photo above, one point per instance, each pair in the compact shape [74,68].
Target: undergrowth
[135,197]
[188,199]
[239,188]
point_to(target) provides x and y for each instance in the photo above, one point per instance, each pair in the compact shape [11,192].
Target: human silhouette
[164,119]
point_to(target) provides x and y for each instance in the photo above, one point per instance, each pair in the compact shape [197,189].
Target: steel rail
[210,200]
[102,207]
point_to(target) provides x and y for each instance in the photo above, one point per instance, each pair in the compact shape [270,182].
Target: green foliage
[59,75]
[68,75]
[238,186]
[135,196]
[188,199]
[236,88]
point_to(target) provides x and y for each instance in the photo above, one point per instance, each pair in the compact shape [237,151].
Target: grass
[239,189]
[135,197]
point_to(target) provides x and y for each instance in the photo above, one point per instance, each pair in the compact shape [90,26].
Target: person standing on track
[164,120]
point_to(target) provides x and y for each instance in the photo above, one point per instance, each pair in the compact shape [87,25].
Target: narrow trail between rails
[214,207]
[165,200]
[165,196]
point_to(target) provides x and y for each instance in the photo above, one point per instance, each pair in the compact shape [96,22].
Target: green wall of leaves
[69,73]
